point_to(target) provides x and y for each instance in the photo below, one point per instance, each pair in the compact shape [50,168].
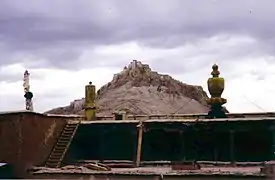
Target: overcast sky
[67,43]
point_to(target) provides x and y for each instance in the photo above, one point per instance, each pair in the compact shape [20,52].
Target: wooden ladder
[58,153]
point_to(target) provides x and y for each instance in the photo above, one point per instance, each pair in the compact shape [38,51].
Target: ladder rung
[67,135]
[61,145]
[67,132]
[70,127]
[65,138]
[73,127]
[55,158]
[59,151]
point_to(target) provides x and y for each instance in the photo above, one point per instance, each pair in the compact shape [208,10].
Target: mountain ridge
[143,91]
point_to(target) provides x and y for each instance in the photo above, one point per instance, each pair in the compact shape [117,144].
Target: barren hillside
[143,91]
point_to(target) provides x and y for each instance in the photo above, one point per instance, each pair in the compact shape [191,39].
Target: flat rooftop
[184,118]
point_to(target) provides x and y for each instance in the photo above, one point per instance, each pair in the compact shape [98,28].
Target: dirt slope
[143,91]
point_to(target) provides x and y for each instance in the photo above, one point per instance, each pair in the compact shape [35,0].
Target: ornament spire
[90,106]
[28,95]
[215,88]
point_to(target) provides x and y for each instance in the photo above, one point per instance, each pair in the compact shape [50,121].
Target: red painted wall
[27,138]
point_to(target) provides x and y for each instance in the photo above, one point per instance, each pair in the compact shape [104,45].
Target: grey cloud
[59,32]
[13,77]
[201,56]
[10,78]
[260,77]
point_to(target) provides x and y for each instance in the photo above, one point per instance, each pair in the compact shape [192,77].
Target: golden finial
[215,72]
[90,106]
[215,88]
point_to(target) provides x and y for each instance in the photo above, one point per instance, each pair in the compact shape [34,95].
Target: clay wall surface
[27,138]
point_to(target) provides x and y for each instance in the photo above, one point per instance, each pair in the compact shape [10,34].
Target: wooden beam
[183,148]
[273,141]
[232,147]
[101,143]
[139,143]
[185,121]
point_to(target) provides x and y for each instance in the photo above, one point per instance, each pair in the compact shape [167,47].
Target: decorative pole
[28,95]
[139,143]
[215,88]
[90,107]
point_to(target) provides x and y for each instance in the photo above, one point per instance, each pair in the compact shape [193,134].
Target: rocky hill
[143,91]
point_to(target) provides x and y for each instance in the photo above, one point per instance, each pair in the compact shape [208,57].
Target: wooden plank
[139,143]
[232,146]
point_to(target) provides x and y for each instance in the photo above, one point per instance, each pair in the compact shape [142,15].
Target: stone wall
[27,139]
